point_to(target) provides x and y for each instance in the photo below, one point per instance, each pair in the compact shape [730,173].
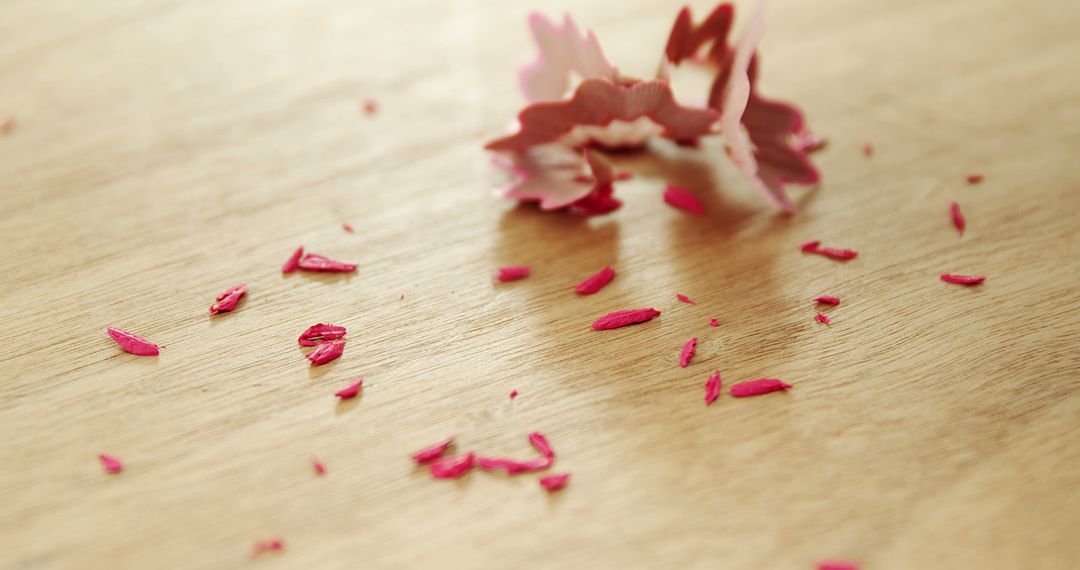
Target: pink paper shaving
[963,279]
[110,463]
[320,333]
[294,261]
[828,300]
[347,228]
[318,466]
[7,126]
[596,282]
[682,199]
[513,394]
[516,466]
[559,177]
[272,545]
[837,565]
[685,299]
[686,40]
[326,352]
[227,301]
[712,388]
[957,217]
[974,178]
[814,247]
[713,322]
[453,467]
[687,353]
[757,387]
[555,482]
[823,318]
[370,106]
[432,452]
[564,51]
[868,149]
[316,262]
[351,390]
[133,344]
[512,273]
[624,318]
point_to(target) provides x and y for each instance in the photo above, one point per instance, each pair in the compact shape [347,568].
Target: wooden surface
[166,150]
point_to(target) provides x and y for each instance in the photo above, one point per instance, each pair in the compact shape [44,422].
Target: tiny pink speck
[110,463]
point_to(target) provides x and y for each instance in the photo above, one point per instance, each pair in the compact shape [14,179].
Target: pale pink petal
[558,177]
[564,52]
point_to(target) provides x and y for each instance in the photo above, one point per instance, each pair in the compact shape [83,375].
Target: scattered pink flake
[687,353]
[822,318]
[757,387]
[320,333]
[326,352]
[868,149]
[683,199]
[713,322]
[136,345]
[963,279]
[712,388]
[7,126]
[624,318]
[684,298]
[316,262]
[957,217]
[828,300]
[837,565]
[318,466]
[511,273]
[432,452]
[565,53]
[370,106]
[540,443]
[453,467]
[974,178]
[596,282]
[513,394]
[294,261]
[830,252]
[111,464]
[351,390]
[555,482]
[515,466]
[272,545]
[227,301]
[347,228]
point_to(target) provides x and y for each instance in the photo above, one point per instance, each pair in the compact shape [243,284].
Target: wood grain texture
[166,150]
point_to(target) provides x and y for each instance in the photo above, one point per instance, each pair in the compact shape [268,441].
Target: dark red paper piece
[837,565]
[316,262]
[326,352]
[830,252]
[512,273]
[351,390]
[757,387]
[712,388]
[540,443]
[294,261]
[957,217]
[453,467]
[133,344]
[687,353]
[596,282]
[320,333]
[624,318]
[432,452]
[555,482]
[272,545]
[227,301]
[713,322]
[683,199]
[974,178]
[318,466]
[684,298]
[110,463]
[822,318]
[513,394]
[963,279]
[828,300]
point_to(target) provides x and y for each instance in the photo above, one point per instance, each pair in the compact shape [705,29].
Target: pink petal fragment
[351,390]
[712,388]
[868,149]
[810,246]
[294,261]
[555,482]
[837,565]
[957,217]
[316,262]
[540,443]
[596,282]
[110,463]
[757,387]
[822,318]
[687,353]
[326,352]
[564,51]
[685,299]
[318,466]
[347,228]
[683,199]
[513,394]
[453,467]
[514,466]
[974,178]
[320,333]
[272,545]
[133,344]
[624,318]
[227,301]
[828,300]
[830,252]
[713,322]
[511,273]
[432,452]
[963,279]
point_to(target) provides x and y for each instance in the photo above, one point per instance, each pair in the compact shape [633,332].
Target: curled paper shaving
[564,51]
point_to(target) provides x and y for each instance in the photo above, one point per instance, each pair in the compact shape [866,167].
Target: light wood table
[165,150]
